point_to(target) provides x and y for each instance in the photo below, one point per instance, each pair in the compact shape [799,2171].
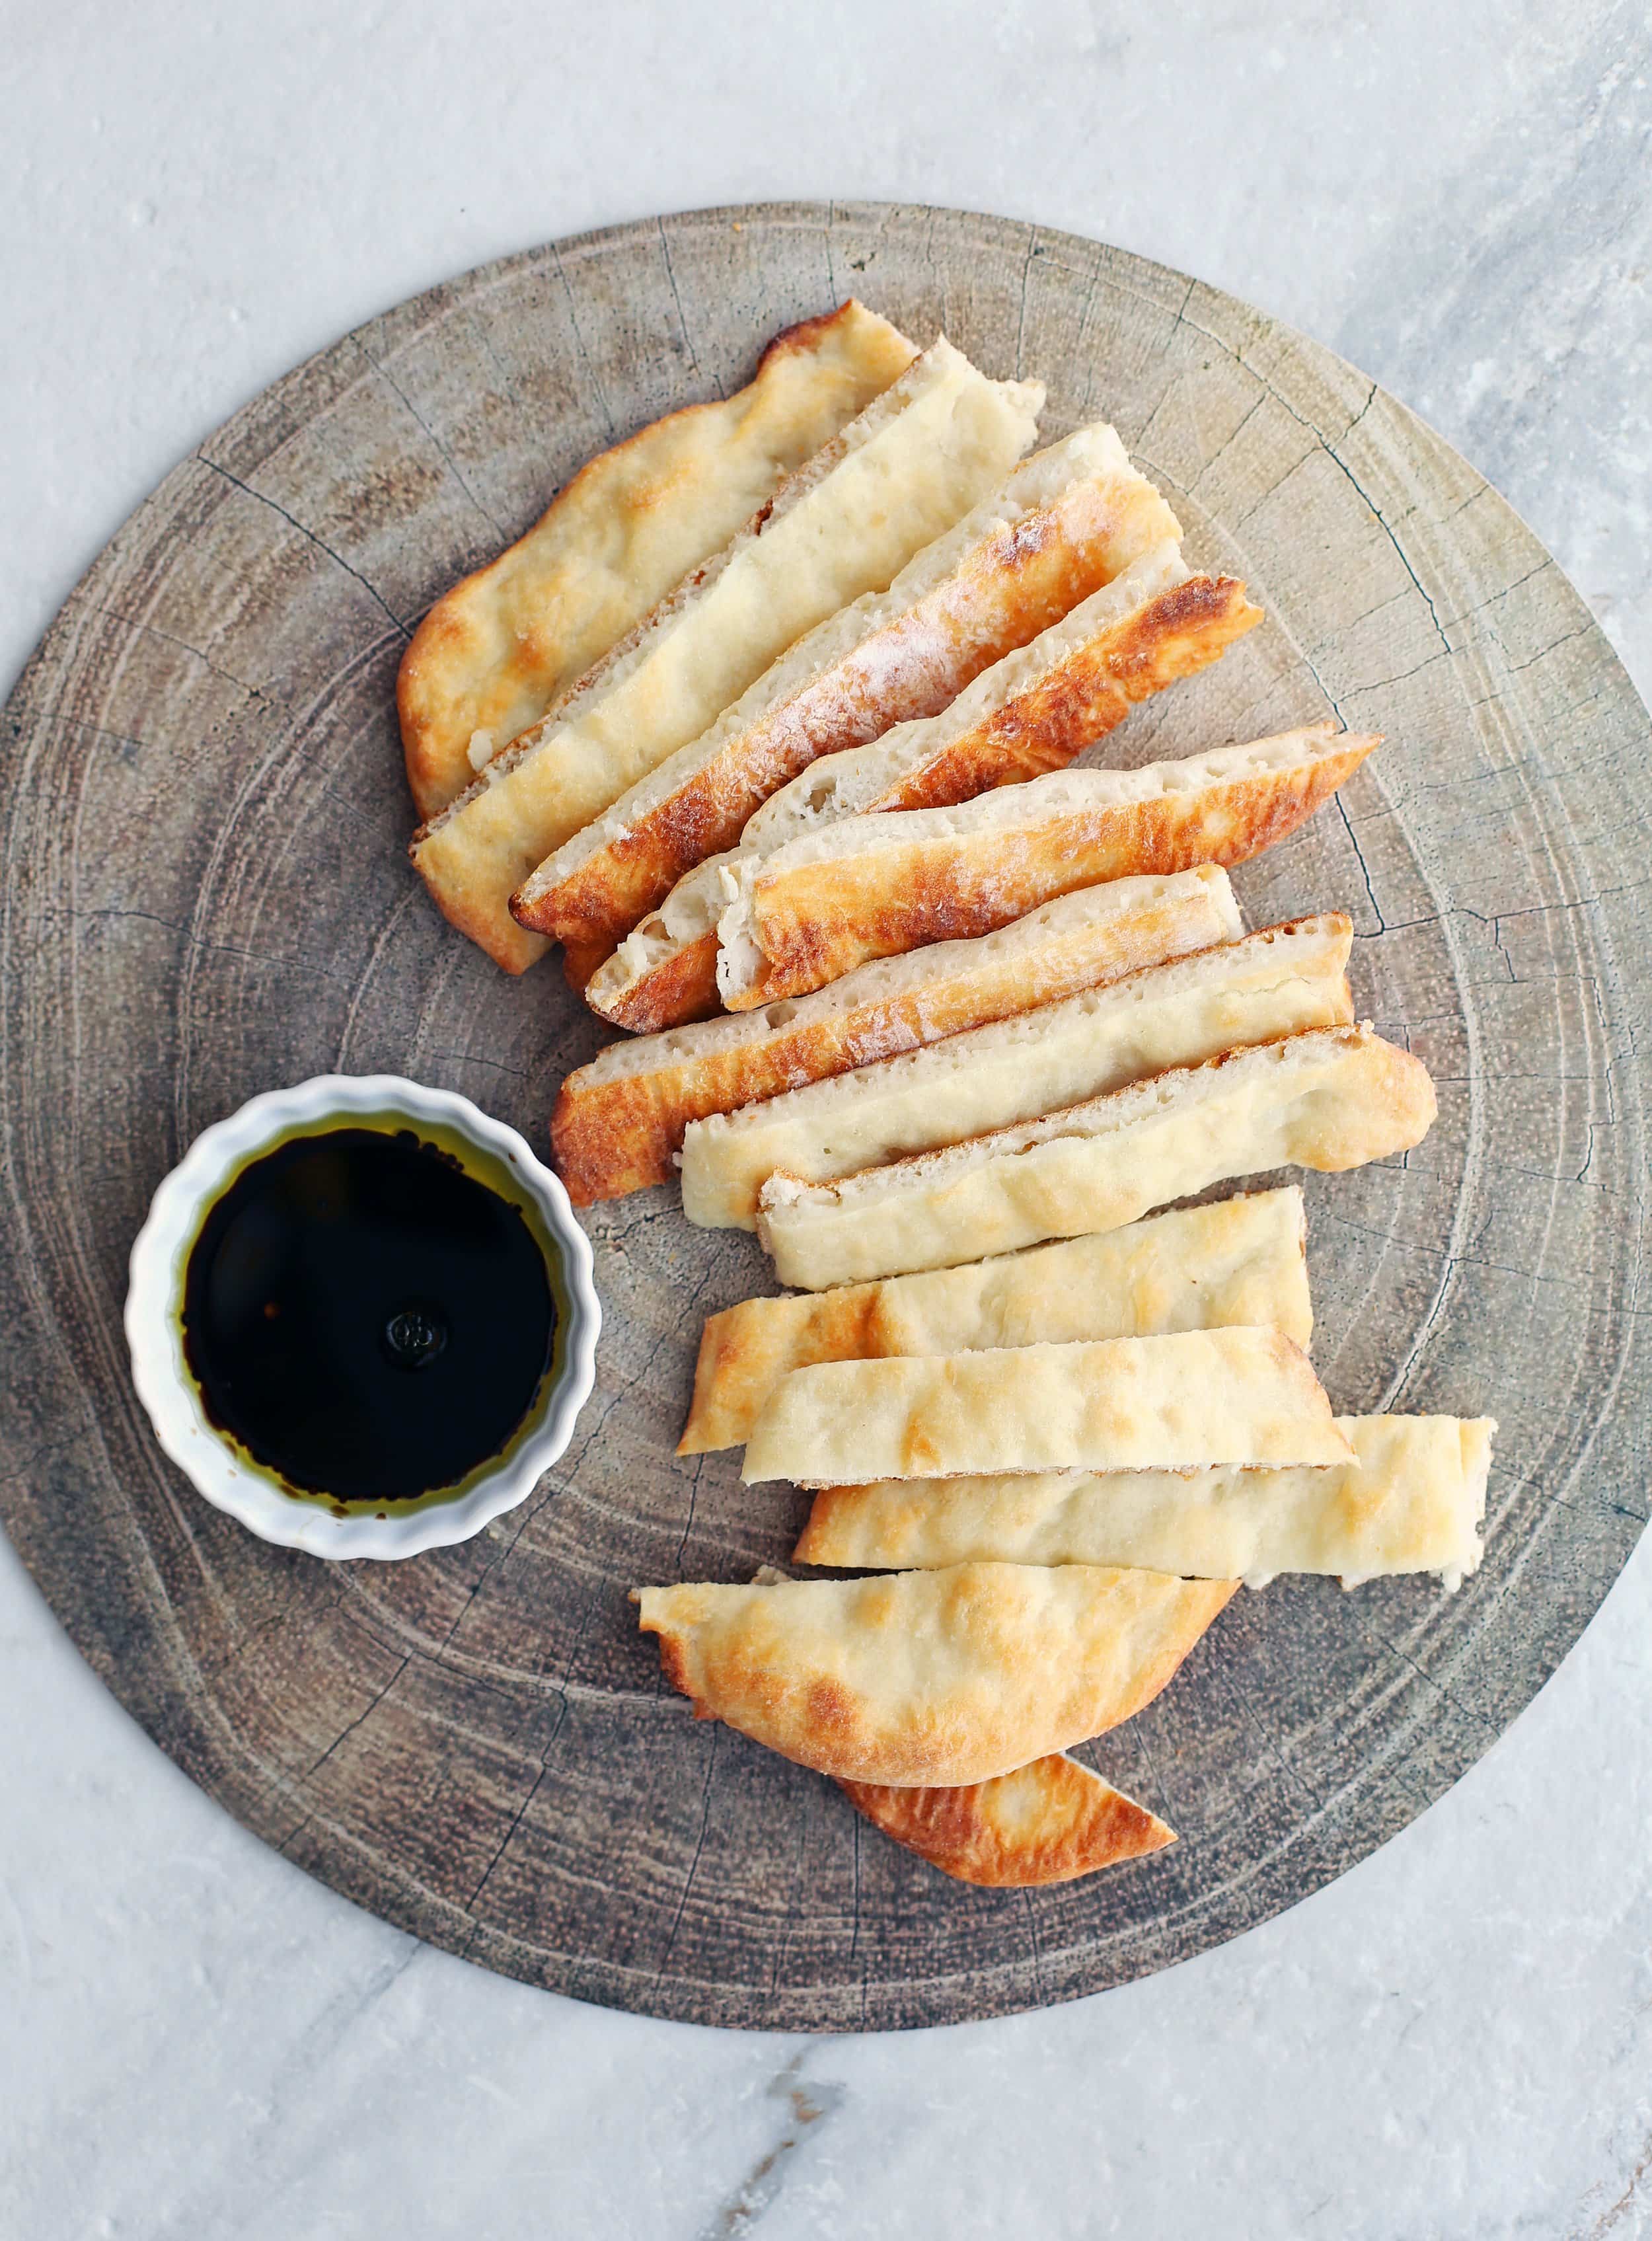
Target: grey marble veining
[1455,2039]
[1512,306]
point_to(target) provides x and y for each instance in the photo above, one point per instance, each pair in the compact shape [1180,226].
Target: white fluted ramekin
[226,1474]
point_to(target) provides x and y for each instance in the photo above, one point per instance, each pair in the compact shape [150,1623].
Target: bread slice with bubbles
[847,522]
[1035,710]
[619,1122]
[1061,525]
[1331,1099]
[1276,982]
[880,885]
[1032,712]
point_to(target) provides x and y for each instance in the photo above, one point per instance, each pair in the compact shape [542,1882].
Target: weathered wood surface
[205,895]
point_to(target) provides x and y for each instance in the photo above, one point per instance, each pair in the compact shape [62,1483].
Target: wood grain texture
[206,894]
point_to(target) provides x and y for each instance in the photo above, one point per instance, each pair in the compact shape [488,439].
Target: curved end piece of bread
[664,974]
[845,523]
[493,653]
[929,1679]
[677,990]
[879,885]
[1048,1823]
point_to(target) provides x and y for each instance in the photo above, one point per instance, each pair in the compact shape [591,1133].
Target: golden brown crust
[1174,636]
[747,1348]
[650,999]
[1330,1099]
[1026,724]
[614,1132]
[681,990]
[495,650]
[1045,1824]
[930,1679]
[581,960]
[1026,574]
[929,447]
[1240,1394]
[813,921]
[513,948]
[1239,1260]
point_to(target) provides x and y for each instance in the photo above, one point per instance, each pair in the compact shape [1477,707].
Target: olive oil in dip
[365,1318]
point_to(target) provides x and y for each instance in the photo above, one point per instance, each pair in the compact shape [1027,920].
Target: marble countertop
[197,2042]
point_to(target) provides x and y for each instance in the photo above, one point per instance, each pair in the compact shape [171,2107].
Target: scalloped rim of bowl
[169,1396]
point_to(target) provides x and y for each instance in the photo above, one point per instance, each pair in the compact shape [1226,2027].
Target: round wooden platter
[206,894]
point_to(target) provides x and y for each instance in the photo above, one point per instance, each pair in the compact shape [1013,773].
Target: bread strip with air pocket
[618,1122]
[1276,982]
[1061,526]
[1331,1099]
[877,886]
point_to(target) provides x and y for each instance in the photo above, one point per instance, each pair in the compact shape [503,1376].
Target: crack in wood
[309,537]
[676,301]
[700,1846]
[170,637]
[442,450]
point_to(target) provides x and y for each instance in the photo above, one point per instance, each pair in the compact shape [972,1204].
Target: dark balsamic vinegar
[366,1318]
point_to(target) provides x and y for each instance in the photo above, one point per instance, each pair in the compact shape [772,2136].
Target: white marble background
[196,2040]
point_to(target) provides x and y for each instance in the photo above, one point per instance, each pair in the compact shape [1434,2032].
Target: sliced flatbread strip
[664,974]
[618,1120]
[1033,711]
[1411,1501]
[1237,1261]
[924,1679]
[1331,1099]
[1061,525]
[919,457]
[877,885]
[1045,1824]
[493,654]
[1008,724]
[1241,1395]
[1278,982]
